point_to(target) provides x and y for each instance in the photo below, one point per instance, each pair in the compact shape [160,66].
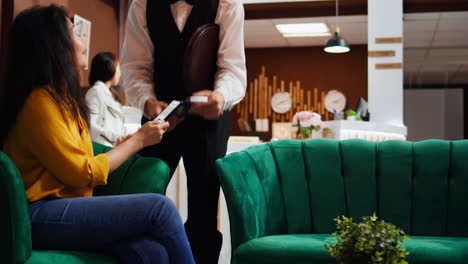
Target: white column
[385,86]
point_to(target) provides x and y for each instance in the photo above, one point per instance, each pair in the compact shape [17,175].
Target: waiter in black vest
[157,33]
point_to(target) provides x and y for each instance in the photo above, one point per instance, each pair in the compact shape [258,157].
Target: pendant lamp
[336,44]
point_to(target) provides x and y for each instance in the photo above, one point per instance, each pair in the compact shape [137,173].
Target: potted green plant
[352,115]
[327,132]
[372,241]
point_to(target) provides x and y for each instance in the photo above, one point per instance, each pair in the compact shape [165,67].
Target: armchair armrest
[136,175]
[146,175]
[242,189]
[15,226]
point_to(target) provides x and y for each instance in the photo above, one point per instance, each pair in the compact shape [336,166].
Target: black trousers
[200,142]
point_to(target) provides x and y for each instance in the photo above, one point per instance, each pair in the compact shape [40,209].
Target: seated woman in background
[105,106]
[44,131]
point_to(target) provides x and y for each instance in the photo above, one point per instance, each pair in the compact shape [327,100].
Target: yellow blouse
[53,151]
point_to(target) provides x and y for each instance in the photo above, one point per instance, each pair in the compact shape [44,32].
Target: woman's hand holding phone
[174,113]
[154,107]
[151,132]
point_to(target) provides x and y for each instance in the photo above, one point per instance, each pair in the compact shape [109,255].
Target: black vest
[169,44]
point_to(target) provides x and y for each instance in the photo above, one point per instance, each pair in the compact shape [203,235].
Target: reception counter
[346,129]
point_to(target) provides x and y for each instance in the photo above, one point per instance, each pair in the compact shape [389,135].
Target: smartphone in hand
[175,107]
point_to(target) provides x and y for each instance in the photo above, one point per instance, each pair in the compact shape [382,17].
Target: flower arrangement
[307,121]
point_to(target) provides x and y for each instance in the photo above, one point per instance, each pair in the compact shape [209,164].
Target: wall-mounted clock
[281,102]
[335,100]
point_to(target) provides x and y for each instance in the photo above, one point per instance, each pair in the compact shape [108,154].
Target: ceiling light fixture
[337,44]
[303,30]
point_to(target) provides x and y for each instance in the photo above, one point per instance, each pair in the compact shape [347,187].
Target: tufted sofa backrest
[293,187]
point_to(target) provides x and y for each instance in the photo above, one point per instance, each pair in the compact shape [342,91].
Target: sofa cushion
[290,249]
[69,257]
[437,250]
[309,248]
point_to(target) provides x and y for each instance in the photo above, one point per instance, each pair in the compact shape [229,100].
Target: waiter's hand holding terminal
[212,108]
[176,110]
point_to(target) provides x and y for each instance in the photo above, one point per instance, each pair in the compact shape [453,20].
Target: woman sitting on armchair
[45,132]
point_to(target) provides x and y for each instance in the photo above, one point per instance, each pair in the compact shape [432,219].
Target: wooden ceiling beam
[300,9]
[436,6]
[346,8]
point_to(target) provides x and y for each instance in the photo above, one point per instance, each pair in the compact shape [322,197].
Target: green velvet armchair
[282,197]
[136,175]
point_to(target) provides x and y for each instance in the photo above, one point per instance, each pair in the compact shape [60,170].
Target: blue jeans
[137,228]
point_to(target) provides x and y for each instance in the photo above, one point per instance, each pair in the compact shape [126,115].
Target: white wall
[434,114]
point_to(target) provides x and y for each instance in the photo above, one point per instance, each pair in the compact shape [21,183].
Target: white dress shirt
[137,53]
[106,115]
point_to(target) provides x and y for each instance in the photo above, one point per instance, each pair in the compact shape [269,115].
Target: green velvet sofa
[136,175]
[282,197]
